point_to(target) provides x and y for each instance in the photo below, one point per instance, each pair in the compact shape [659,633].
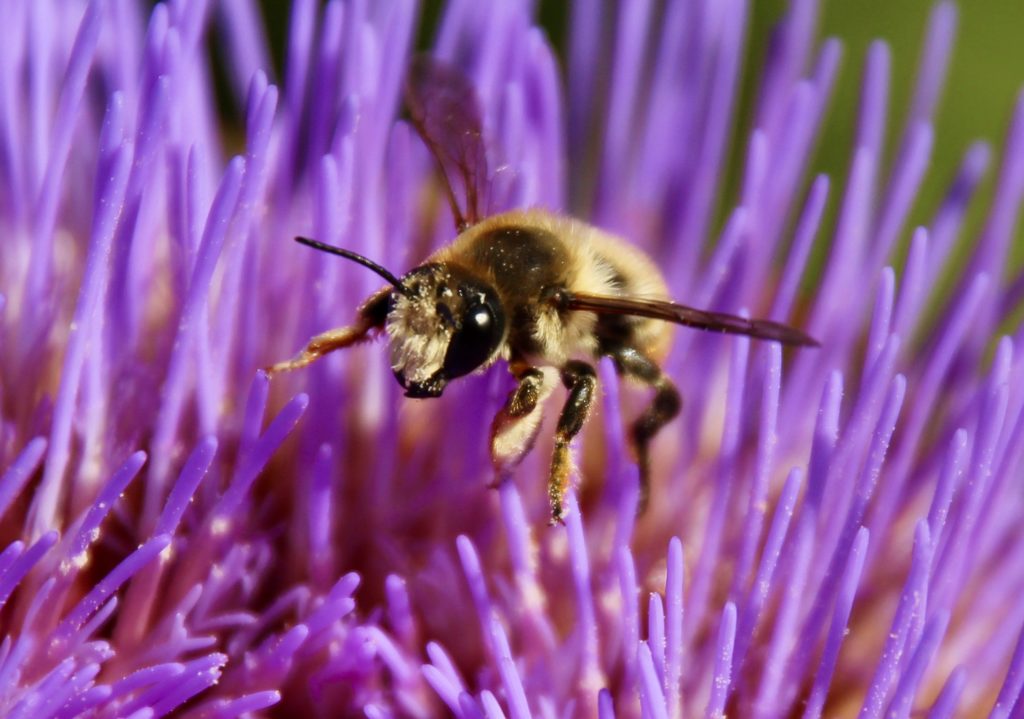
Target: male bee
[547,293]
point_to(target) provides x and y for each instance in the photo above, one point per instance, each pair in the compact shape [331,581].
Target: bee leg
[581,381]
[371,316]
[321,344]
[515,427]
[630,362]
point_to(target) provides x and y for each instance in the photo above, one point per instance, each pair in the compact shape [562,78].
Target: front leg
[372,315]
[515,427]
[320,345]
[581,381]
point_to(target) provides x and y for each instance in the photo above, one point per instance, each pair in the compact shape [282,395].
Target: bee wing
[445,110]
[688,316]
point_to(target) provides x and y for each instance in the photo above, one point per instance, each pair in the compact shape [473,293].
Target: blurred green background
[985,75]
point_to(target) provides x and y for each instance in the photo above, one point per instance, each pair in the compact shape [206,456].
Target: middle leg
[581,380]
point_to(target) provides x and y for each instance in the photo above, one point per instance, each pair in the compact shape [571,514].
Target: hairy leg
[581,381]
[515,427]
[371,316]
[320,345]
[666,404]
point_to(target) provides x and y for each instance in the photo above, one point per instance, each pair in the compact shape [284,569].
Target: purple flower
[832,531]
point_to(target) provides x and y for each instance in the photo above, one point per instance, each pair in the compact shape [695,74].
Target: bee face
[445,324]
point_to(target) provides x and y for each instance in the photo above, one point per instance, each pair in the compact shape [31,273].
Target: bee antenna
[355,257]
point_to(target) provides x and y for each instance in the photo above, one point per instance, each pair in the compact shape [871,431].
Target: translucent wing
[445,110]
[683,315]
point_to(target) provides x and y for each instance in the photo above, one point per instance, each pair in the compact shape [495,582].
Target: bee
[546,293]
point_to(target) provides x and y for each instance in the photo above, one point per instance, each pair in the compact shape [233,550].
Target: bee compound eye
[474,342]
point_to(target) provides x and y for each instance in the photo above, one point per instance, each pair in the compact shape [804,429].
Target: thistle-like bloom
[832,531]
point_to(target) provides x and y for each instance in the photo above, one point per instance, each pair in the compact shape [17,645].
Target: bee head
[442,323]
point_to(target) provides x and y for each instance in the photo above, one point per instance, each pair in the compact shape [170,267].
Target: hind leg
[630,362]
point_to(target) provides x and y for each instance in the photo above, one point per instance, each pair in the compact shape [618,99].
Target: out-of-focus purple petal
[212,241]
[98,619]
[518,529]
[477,587]
[807,229]
[630,611]
[90,698]
[838,629]
[946,703]
[908,173]
[902,700]
[631,29]
[762,584]
[1013,683]
[197,676]
[245,38]
[911,289]
[950,214]
[269,441]
[10,553]
[702,574]
[15,477]
[449,693]
[109,584]
[47,694]
[674,626]
[60,144]
[723,81]
[881,318]
[656,634]
[492,708]
[897,642]
[115,487]
[766,441]
[589,661]
[721,679]
[934,61]
[651,696]
[104,224]
[196,467]
[990,252]
[518,706]
[846,537]
[320,524]
[226,709]
[23,562]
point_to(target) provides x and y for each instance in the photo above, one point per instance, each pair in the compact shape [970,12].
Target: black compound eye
[474,342]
